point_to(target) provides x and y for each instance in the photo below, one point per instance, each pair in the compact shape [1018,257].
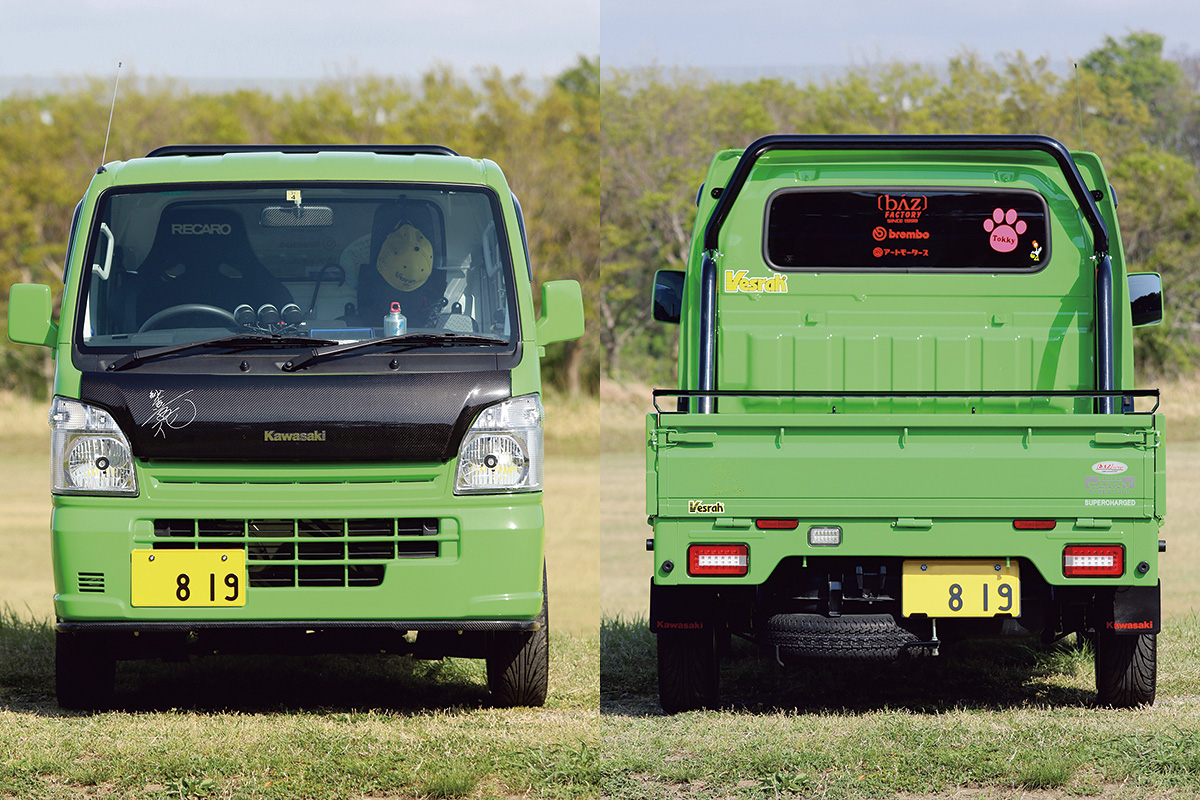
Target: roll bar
[1105,376]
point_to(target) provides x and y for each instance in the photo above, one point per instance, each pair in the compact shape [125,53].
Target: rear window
[900,230]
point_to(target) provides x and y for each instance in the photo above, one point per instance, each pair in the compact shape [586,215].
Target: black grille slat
[220,527]
[320,527]
[379,551]
[416,527]
[272,528]
[322,551]
[277,551]
[275,576]
[174,527]
[288,553]
[322,576]
[365,574]
[416,550]
[371,527]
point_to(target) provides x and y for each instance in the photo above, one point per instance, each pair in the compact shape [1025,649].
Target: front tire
[688,670]
[1126,669]
[84,672]
[518,662]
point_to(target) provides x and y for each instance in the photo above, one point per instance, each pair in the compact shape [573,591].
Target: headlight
[502,451]
[89,453]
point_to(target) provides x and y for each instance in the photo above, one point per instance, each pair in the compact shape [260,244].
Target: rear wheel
[518,662]
[688,670]
[84,672]
[1126,669]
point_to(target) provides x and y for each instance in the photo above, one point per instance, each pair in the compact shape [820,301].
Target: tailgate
[888,465]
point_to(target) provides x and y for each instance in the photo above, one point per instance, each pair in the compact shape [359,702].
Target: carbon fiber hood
[415,417]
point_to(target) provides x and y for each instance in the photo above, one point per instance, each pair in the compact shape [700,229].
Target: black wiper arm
[236,340]
[405,341]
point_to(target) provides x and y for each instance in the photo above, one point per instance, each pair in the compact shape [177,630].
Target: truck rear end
[906,412]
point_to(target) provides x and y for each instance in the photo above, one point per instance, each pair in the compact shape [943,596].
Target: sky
[252,41]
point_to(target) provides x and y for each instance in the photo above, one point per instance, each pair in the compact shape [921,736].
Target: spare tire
[861,637]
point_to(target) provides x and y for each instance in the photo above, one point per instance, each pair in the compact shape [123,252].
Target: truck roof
[237,163]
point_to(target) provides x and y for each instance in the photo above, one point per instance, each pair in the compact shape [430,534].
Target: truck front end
[297,409]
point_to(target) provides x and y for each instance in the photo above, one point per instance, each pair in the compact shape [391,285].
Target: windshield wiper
[235,341]
[405,341]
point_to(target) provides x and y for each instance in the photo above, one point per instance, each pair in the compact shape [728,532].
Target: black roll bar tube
[1105,375]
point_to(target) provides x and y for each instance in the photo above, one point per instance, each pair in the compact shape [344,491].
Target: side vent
[91,582]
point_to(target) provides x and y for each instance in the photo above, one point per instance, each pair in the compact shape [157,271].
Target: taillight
[1034,524]
[719,559]
[777,524]
[1093,561]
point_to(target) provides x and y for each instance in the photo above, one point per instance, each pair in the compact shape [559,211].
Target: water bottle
[394,323]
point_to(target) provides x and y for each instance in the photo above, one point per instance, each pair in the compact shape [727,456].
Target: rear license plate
[960,588]
[188,578]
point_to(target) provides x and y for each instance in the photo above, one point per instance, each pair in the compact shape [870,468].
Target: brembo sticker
[1109,467]
[738,282]
[702,507]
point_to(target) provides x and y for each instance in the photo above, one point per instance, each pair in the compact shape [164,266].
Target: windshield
[339,263]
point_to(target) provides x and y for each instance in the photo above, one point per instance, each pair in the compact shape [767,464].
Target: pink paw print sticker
[1004,233]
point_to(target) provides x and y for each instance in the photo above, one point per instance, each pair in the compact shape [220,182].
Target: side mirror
[668,295]
[29,315]
[562,312]
[1145,298]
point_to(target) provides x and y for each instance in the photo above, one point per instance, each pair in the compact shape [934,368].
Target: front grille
[286,553]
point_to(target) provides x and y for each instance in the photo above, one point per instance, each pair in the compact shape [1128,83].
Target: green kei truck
[906,412]
[297,409]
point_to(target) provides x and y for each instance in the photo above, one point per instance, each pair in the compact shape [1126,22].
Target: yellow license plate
[960,588]
[188,578]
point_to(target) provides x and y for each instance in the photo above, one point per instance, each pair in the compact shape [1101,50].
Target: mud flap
[680,608]
[1128,610]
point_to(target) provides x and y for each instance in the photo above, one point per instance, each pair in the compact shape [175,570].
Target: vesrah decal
[309,436]
[702,507]
[738,282]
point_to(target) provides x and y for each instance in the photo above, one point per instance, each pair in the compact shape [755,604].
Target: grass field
[979,722]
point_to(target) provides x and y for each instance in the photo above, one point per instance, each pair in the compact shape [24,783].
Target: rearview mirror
[668,295]
[562,312]
[1145,298]
[29,315]
[296,217]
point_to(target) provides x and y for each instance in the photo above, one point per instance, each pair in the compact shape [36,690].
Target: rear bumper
[883,538]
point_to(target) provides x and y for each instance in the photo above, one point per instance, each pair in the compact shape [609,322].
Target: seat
[201,254]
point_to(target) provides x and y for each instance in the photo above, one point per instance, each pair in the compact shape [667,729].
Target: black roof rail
[378,149]
[1045,144]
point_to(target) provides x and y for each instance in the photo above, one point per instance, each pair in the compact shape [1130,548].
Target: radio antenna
[1079,101]
[111,109]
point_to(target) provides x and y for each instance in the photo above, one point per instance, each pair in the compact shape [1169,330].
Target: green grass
[1006,715]
[294,727]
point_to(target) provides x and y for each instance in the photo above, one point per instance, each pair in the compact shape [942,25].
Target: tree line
[607,163]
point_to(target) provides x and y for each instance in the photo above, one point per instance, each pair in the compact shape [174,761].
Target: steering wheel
[190,308]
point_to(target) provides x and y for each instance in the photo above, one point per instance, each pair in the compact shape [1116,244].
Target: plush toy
[405,258]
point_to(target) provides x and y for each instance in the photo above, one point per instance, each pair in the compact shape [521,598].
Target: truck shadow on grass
[975,674]
[254,684]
